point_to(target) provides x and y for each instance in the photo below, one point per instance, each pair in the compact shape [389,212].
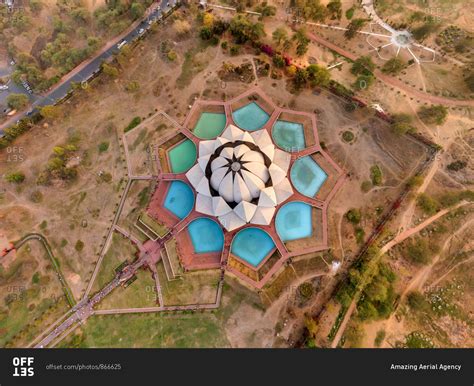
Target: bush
[417,302]
[224,45]
[103,146]
[353,215]
[401,124]
[15,177]
[418,252]
[348,136]
[379,338]
[433,115]
[393,66]
[234,50]
[366,186]
[457,165]
[79,246]
[376,175]
[36,196]
[278,61]
[363,66]
[133,123]
[427,204]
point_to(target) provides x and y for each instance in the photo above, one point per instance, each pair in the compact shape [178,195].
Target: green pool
[210,125]
[182,156]
[289,135]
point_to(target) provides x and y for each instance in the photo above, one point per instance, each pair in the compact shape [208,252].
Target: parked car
[121,44]
[3,87]
[141,30]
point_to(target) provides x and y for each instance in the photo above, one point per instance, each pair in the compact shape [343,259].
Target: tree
[182,27]
[354,26]
[50,112]
[363,66]
[318,75]
[427,204]
[278,61]
[280,35]
[265,10]
[393,66]
[208,19]
[137,10]
[301,77]
[401,124]
[334,8]
[110,70]
[353,215]
[17,101]
[302,41]
[15,177]
[433,115]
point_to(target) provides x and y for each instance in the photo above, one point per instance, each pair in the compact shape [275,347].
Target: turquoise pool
[289,135]
[179,199]
[210,125]
[206,235]
[182,156]
[293,221]
[250,117]
[252,245]
[307,176]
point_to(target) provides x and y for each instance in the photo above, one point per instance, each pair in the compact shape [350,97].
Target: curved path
[54,262]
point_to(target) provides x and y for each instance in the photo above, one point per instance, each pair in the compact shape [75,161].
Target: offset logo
[23,367]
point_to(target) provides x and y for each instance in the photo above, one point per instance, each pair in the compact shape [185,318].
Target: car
[150,22]
[141,30]
[3,87]
[121,44]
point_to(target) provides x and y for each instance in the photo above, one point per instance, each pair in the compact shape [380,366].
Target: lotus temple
[244,186]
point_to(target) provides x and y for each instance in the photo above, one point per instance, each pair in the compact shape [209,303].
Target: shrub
[427,204]
[15,177]
[366,186]
[363,66]
[278,61]
[348,136]
[103,146]
[234,50]
[224,45]
[353,215]
[376,175]
[393,66]
[79,246]
[418,252]
[457,165]
[133,123]
[401,124]
[417,302]
[433,115]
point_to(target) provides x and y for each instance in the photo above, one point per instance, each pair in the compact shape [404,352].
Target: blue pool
[250,117]
[206,235]
[252,245]
[179,199]
[307,176]
[289,135]
[293,221]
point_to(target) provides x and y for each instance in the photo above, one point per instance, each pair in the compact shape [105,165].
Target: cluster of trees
[17,101]
[57,167]
[427,204]
[14,131]
[378,296]
[363,68]
[313,75]
[314,10]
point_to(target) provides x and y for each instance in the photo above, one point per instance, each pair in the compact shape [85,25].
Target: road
[86,69]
